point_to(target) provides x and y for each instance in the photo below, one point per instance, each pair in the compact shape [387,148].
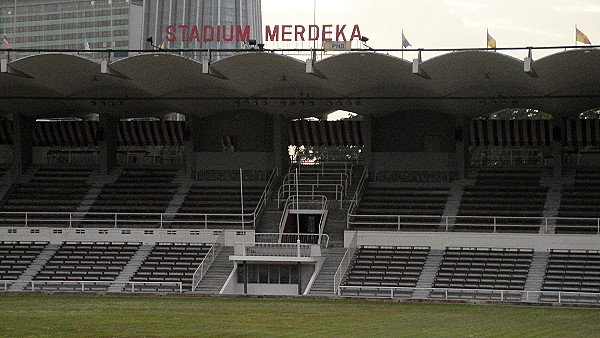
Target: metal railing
[493,223]
[321,239]
[317,178]
[273,249]
[210,257]
[7,282]
[266,192]
[324,166]
[312,189]
[357,194]
[303,202]
[454,293]
[124,220]
[178,285]
[82,282]
[345,263]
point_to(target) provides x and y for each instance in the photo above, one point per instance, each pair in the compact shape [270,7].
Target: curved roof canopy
[464,83]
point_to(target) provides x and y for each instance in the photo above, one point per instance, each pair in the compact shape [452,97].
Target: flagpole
[402,42]
[575,35]
[487,36]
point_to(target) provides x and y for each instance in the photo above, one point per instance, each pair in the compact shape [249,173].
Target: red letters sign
[209,33]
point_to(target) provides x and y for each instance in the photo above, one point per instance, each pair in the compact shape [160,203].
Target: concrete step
[217,274]
[535,277]
[34,267]
[129,270]
[428,274]
[323,284]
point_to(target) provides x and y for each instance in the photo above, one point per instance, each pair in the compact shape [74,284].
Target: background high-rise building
[122,24]
[158,14]
[68,24]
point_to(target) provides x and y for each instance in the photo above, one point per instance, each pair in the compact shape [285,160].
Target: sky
[447,23]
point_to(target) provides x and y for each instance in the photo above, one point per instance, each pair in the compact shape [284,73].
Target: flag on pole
[580,37]
[405,42]
[5,42]
[86,46]
[491,42]
[162,46]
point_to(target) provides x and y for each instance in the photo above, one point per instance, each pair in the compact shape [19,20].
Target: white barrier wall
[439,241]
[144,236]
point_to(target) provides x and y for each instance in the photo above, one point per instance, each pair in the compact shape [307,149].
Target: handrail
[210,257]
[345,263]
[273,249]
[444,222]
[7,282]
[390,292]
[292,237]
[133,284]
[290,202]
[357,193]
[288,189]
[263,198]
[82,282]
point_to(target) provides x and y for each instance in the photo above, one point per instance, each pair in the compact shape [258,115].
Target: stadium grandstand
[472,175]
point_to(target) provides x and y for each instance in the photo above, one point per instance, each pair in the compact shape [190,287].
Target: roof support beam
[5,68]
[107,70]
[310,69]
[528,65]
[416,67]
[209,70]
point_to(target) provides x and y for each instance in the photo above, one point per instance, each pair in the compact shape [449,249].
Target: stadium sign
[210,33]
[336,45]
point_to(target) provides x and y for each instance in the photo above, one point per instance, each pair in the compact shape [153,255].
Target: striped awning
[151,133]
[582,132]
[515,133]
[326,133]
[65,133]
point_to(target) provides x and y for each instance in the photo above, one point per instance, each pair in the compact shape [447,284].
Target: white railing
[273,249]
[483,223]
[311,189]
[82,282]
[345,263]
[317,178]
[357,194]
[6,283]
[124,220]
[178,285]
[303,202]
[266,192]
[210,257]
[322,239]
[453,293]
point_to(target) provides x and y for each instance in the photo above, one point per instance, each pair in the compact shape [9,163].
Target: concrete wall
[413,131]
[439,241]
[251,131]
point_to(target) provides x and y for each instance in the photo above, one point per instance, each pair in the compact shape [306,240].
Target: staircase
[129,269]
[453,203]
[217,274]
[323,285]
[335,226]
[428,274]
[535,278]
[37,264]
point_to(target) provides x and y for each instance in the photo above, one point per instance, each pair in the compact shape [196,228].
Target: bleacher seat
[15,257]
[580,200]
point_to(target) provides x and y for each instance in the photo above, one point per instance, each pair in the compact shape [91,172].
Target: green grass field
[145,316]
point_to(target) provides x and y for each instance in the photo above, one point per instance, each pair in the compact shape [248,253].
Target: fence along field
[34,315]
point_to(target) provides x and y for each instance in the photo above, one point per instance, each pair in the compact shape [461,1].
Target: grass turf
[24,315]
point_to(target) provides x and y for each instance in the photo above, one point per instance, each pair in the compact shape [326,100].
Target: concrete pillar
[367,150]
[107,144]
[558,147]
[280,142]
[23,141]
[460,141]
[192,124]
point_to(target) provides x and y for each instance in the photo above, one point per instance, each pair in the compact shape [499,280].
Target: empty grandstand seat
[215,199]
[572,271]
[170,262]
[514,196]
[382,266]
[137,191]
[50,189]
[80,261]
[409,202]
[482,268]
[579,201]
[15,257]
